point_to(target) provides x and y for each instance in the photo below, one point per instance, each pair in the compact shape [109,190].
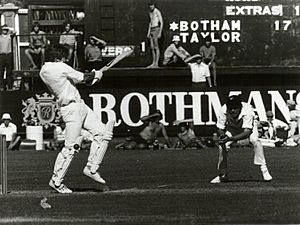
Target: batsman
[61,80]
[236,122]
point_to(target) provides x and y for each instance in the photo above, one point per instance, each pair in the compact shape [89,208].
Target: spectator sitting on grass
[148,136]
[9,129]
[186,136]
[294,123]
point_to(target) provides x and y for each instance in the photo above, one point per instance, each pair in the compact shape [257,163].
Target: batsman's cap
[269,113]
[234,102]
[176,38]
[6,116]
[290,102]
[4,27]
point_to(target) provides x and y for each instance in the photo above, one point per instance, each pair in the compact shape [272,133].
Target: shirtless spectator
[175,54]
[37,46]
[148,136]
[186,135]
[154,33]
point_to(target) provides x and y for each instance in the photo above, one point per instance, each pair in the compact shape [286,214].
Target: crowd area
[202,64]
[154,136]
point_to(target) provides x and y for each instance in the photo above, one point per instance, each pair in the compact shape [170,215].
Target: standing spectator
[9,129]
[293,123]
[6,60]
[68,40]
[37,45]
[154,32]
[200,72]
[175,54]
[209,52]
[93,53]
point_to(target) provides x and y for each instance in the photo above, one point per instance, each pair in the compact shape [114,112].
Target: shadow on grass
[245,181]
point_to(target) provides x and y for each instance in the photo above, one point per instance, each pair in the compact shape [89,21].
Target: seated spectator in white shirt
[9,129]
[200,72]
[294,123]
[175,54]
[272,125]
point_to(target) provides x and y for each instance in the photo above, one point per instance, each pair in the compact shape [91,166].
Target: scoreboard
[244,32]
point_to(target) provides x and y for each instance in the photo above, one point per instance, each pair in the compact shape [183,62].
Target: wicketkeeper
[236,122]
[61,79]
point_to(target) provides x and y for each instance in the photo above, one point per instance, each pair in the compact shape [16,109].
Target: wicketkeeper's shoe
[63,189]
[219,179]
[95,176]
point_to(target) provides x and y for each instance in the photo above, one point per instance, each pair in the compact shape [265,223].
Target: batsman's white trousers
[77,116]
[259,157]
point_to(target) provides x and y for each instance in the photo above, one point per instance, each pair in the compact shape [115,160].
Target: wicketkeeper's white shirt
[61,79]
[247,114]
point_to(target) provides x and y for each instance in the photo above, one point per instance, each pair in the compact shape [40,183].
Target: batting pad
[62,163]
[102,148]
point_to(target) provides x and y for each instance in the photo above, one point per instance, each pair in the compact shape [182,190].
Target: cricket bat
[114,62]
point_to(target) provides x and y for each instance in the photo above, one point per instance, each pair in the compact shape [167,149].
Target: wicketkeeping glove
[107,135]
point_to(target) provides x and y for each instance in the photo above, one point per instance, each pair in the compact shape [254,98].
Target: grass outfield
[155,187]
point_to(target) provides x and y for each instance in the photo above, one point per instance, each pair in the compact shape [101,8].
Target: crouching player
[152,127]
[186,136]
[236,122]
[61,79]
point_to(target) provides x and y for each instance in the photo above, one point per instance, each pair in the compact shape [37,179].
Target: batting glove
[98,74]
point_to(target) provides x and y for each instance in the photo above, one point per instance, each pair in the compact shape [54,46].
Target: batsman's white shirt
[61,79]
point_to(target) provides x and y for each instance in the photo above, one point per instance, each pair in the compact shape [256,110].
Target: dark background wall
[125,22]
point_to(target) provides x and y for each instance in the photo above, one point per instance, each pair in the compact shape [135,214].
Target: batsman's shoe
[266,175]
[219,179]
[95,176]
[63,189]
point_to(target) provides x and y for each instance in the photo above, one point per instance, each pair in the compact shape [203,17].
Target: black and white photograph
[149,112]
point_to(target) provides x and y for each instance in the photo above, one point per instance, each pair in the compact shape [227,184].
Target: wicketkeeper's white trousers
[259,157]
